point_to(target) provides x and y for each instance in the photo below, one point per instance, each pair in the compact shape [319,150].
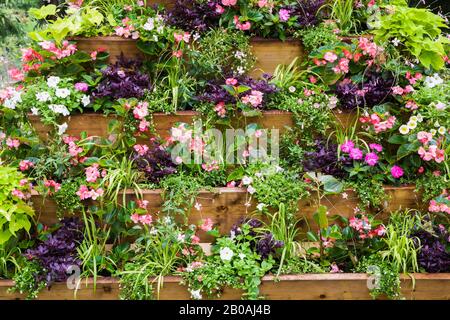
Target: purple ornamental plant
[193,16]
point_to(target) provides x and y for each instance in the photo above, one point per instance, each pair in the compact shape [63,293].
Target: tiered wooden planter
[343,286]
[115,46]
[96,124]
[168,4]
[226,206]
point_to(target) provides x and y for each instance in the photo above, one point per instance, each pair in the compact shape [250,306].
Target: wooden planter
[270,53]
[96,124]
[115,46]
[226,206]
[340,286]
[168,4]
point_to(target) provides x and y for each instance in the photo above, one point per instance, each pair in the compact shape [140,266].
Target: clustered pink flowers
[255,98]
[74,149]
[52,186]
[140,112]
[25,165]
[59,53]
[127,30]
[377,123]
[145,219]
[85,193]
[364,228]
[437,207]
[429,151]
[371,158]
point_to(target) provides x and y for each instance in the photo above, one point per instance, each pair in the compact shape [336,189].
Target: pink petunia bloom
[284,15]
[424,137]
[347,146]
[397,171]
[92,173]
[371,159]
[81,86]
[356,154]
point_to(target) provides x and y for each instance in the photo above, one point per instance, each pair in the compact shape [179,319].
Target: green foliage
[15,213]
[26,281]
[66,198]
[301,265]
[431,185]
[419,32]
[370,192]
[318,36]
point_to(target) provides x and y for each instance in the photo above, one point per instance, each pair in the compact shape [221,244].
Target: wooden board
[226,206]
[168,4]
[96,124]
[114,45]
[270,53]
[341,286]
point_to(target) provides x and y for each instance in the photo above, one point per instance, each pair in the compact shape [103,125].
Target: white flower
[251,190]
[62,128]
[441,130]
[413,118]
[43,96]
[412,125]
[404,129]
[198,206]
[34,111]
[419,118]
[260,206]
[155,38]
[440,105]
[196,36]
[196,294]
[240,70]
[85,100]
[437,124]
[181,237]
[226,254]
[395,42]
[160,29]
[241,255]
[59,108]
[433,132]
[433,81]
[278,169]
[62,93]
[149,25]
[12,102]
[53,82]
[345,195]
[292,89]
[332,102]
[246,180]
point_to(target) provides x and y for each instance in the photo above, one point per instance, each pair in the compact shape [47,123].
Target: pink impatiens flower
[25,165]
[347,146]
[207,225]
[356,154]
[371,159]
[397,171]
[330,56]
[141,149]
[376,147]
[229,3]
[92,173]
[255,98]
[81,86]
[284,15]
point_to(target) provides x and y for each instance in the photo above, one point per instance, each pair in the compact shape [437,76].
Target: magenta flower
[81,86]
[284,15]
[397,172]
[376,147]
[347,146]
[356,154]
[371,159]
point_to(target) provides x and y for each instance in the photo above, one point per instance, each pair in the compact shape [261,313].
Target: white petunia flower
[226,254]
[440,105]
[53,82]
[433,132]
[149,25]
[62,128]
[433,81]
[246,180]
[411,125]
[196,294]
[43,96]
[251,190]
[85,100]
[34,111]
[62,93]
[60,109]
[241,256]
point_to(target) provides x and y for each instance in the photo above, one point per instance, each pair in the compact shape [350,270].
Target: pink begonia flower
[25,165]
[284,15]
[92,173]
[177,54]
[397,90]
[376,147]
[206,225]
[371,159]
[52,184]
[211,166]
[83,192]
[334,268]
[330,56]
[81,86]
[143,204]
[356,154]
[146,219]
[94,55]
[231,184]
[424,137]
[30,54]
[231,81]
[16,74]
[229,3]
[347,146]
[241,26]
[143,125]
[13,143]
[195,239]
[262,3]
[141,110]
[19,194]
[397,171]
[255,98]
[220,109]
[411,105]
[135,218]
[219,9]
[141,149]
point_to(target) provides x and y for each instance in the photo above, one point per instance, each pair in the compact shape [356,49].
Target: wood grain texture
[342,286]
[115,46]
[270,53]
[96,124]
[168,4]
[226,206]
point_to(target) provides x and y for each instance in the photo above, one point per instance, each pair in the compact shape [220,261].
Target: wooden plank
[226,206]
[96,124]
[329,286]
[168,4]
[270,53]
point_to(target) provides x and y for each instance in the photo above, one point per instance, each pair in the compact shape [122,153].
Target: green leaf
[43,12]
[236,174]
[320,217]
[331,184]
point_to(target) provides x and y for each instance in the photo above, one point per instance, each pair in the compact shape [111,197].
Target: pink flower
[229,3]
[371,159]
[376,147]
[347,146]
[141,149]
[94,55]
[143,125]
[258,133]
[334,268]
[220,109]
[242,26]
[255,98]
[424,137]
[262,3]
[96,193]
[195,239]
[83,192]
[219,9]
[207,225]
[30,54]
[143,204]
[135,218]
[397,172]
[177,54]
[211,166]
[25,165]
[81,86]
[330,56]
[312,79]
[19,194]
[141,110]
[52,184]
[356,154]
[146,219]
[16,74]
[231,184]
[231,81]
[411,105]
[92,173]
[13,143]
[284,15]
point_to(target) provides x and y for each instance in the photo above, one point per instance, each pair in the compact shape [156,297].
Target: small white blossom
[433,81]
[196,294]
[251,190]
[34,111]
[62,93]
[246,180]
[440,105]
[395,42]
[85,100]
[43,96]
[404,129]
[292,89]
[241,256]
[60,109]
[226,254]
[198,206]
[260,206]
[62,128]
[53,82]
[149,25]
[441,130]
